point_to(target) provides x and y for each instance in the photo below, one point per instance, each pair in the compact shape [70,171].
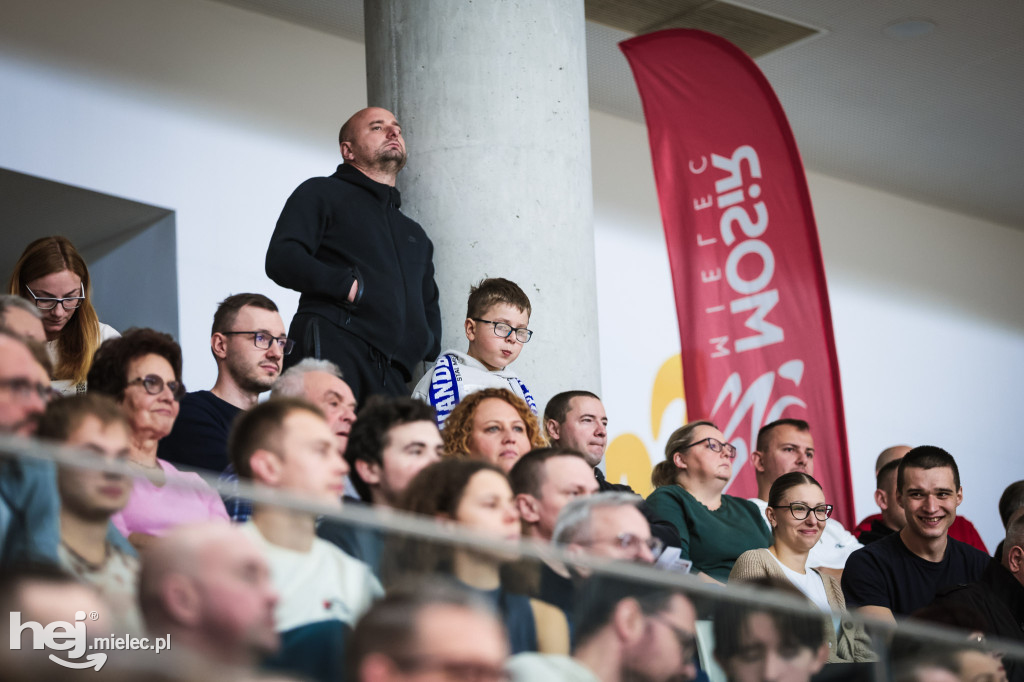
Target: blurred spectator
[783,446]
[893,518]
[208,588]
[714,528]
[54,275]
[430,630]
[492,425]
[756,643]
[476,496]
[624,632]
[285,444]
[248,343]
[1010,501]
[962,529]
[903,572]
[797,513]
[544,481]
[29,506]
[608,525]
[142,371]
[89,498]
[22,318]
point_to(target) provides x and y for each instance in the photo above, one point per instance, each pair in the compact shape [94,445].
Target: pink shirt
[154,510]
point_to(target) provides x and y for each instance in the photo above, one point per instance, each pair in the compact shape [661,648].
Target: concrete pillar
[492,98]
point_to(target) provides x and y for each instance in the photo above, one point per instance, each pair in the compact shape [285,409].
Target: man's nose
[645,555]
[275,350]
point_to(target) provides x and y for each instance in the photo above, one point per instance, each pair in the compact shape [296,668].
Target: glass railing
[653,623]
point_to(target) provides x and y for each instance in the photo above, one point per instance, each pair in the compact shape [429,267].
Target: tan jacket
[852,645]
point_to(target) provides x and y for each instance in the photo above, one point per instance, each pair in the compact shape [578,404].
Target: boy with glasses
[497,316]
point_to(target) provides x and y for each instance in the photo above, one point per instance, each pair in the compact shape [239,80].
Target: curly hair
[458,427]
[81,335]
[109,372]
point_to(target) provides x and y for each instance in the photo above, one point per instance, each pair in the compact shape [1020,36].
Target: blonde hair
[666,471]
[458,427]
[81,335]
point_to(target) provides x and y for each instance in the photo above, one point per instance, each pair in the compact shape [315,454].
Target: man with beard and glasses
[365,270]
[248,341]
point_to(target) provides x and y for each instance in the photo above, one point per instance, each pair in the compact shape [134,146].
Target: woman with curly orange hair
[52,274]
[492,425]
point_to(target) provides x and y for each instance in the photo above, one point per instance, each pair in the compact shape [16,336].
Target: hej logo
[59,636]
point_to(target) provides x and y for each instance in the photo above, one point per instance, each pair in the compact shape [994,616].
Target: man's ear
[368,471]
[219,345]
[181,601]
[757,461]
[820,659]
[629,622]
[552,426]
[1014,559]
[266,467]
[881,499]
[346,151]
[959,496]
[527,506]
[470,329]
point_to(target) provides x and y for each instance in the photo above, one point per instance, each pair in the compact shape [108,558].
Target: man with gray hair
[430,626]
[21,317]
[607,525]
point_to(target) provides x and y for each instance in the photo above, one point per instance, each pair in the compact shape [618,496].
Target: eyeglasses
[263,340]
[505,330]
[154,385]
[464,671]
[23,389]
[800,511]
[687,640]
[69,303]
[716,445]
[634,542]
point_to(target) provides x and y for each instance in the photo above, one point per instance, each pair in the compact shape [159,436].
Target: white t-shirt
[809,582]
[321,584]
[834,546]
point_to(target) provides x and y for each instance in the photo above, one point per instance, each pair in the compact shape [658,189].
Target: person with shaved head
[209,588]
[365,270]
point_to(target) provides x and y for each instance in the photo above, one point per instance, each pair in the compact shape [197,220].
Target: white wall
[218,114]
[926,308]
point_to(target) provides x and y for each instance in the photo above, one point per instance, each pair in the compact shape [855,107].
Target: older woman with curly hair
[142,372]
[492,425]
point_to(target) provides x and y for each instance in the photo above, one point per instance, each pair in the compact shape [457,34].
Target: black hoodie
[348,227]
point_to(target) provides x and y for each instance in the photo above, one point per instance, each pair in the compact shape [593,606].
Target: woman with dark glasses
[714,528]
[53,275]
[142,372]
[797,513]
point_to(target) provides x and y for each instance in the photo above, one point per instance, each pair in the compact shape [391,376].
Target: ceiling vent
[755,33]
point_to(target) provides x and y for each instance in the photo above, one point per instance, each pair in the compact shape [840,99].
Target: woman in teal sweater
[714,528]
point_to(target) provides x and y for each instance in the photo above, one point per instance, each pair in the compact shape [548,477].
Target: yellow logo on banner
[627,456]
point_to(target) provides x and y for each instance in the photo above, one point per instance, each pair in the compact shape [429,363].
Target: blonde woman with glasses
[53,275]
[714,528]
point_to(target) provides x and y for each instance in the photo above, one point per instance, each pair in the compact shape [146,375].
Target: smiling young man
[903,572]
[248,342]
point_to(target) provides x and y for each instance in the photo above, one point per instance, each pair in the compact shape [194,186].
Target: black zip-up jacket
[348,227]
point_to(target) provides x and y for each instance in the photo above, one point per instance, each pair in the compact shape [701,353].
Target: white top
[809,582]
[531,667]
[832,549]
[321,584]
[64,385]
[470,376]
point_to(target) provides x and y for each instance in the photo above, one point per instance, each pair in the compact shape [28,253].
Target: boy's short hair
[527,474]
[764,434]
[886,474]
[927,457]
[558,407]
[227,310]
[369,435]
[64,415]
[496,290]
[260,429]
[796,630]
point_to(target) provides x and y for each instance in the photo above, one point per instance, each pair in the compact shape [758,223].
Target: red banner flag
[754,321]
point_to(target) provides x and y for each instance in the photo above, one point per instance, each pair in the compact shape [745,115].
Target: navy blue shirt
[199,439]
